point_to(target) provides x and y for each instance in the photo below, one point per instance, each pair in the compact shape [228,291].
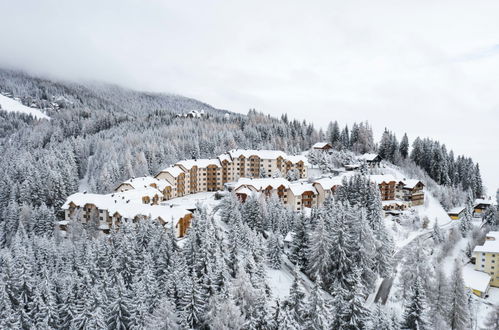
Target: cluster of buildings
[191,114]
[396,195]
[143,197]
[486,268]
[479,207]
[246,172]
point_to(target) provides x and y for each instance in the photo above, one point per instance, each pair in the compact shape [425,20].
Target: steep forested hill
[218,278]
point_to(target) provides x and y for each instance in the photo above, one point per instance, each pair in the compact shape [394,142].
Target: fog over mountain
[425,68]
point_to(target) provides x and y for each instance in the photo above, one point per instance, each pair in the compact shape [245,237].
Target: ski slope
[10,105]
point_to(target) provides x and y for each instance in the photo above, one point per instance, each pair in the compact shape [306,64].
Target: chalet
[302,195]
[412,191]
[351,167]
[387,185]
[481,205]
[456,213]
[395,205]
[108,211]
[373,160]
[324,146]
[191,114]
[268,187]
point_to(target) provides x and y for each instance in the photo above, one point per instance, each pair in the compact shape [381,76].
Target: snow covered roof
[320,145]
[226,157]
[493,235]
[298,188]
[260,184]
[479,201]
[262,154]
[141,182]
[243,190]
[328,183]
[297,159]
[456,210]
[174,171]
[137,194]
[474,279]
[383,178]
[488,246]
[113,203]
[162,184]
[368,157]
[289,237]
[410,183]
[200,163]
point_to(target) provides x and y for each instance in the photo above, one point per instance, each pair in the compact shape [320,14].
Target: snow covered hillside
[11,105]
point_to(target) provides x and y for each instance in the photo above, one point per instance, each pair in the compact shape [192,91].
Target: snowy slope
[11,105]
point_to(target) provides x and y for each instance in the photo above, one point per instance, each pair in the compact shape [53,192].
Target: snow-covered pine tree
[297,299]
[193,302]
[318,312]
[440,300]
[227,207]
[379,319]
[492,320]
[320,249]
[299,245]
[458,303]
[119,307]
[274,251]
[353,313]
[343,245]
[287,320]
[490,217]
[404,146]
[436,234]
[416,313]
[466,221]
[252,215]
[163,317]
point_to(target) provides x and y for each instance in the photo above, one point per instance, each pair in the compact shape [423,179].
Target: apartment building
[204,174]
[487,257]
[302,195]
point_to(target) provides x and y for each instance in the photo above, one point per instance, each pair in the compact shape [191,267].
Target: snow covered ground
[279,281]
[206,199]
[10,105]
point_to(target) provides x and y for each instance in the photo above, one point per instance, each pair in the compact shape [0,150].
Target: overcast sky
[428,68]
